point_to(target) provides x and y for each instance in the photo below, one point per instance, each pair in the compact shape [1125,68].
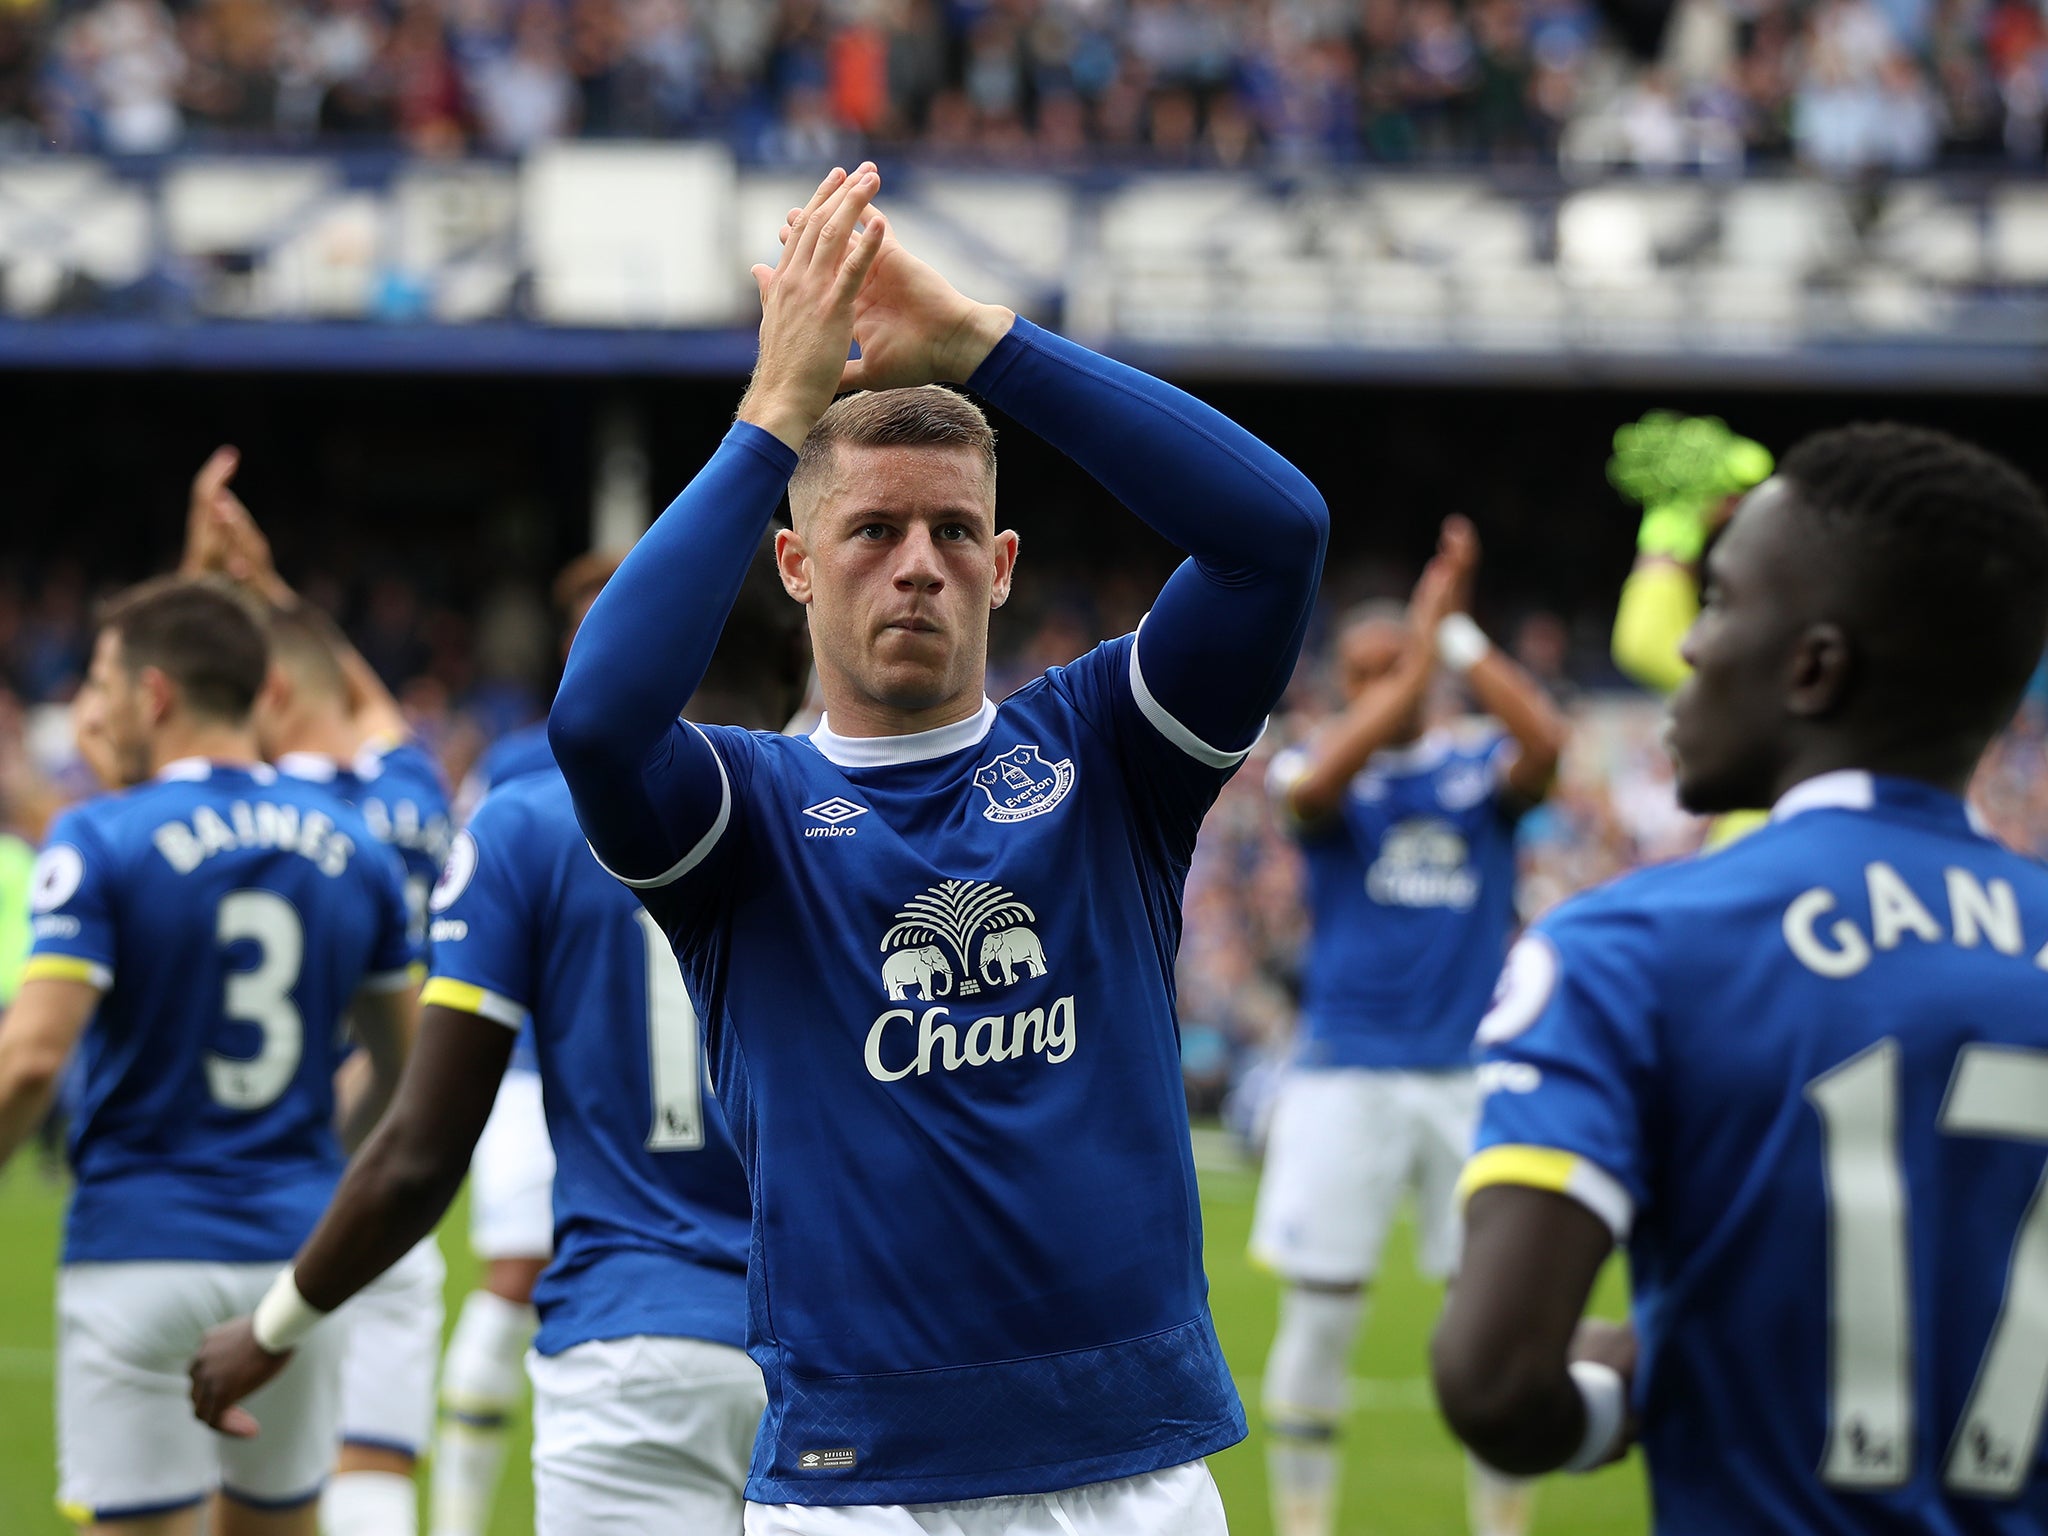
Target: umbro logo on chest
[833,817]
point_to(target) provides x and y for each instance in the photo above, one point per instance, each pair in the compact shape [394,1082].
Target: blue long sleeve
[647,787]
[1222,640]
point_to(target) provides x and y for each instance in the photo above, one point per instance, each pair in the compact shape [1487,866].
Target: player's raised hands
[1458,547]
[221,537]
[916,328]
[229,1366]
[807,304]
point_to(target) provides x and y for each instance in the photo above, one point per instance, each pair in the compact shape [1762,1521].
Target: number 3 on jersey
[674,1061]
[261,996]
[1996,1091]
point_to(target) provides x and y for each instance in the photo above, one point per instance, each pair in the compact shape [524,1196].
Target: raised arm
[1221,641]
[221,536]
[1333,757]
[648,790]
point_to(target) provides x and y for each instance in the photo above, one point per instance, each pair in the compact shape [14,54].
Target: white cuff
[1605,1396]
[283,1316]
[1461,644]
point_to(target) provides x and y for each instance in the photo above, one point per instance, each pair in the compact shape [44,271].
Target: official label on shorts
[827,1461]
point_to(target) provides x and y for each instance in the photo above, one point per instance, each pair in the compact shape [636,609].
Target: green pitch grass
[1403,1476]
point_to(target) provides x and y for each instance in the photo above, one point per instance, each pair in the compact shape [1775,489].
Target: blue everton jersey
[399,791]
[1808,1076]
[1411,888]
[513,755]
[945,962]
[651,1217]
[229,915]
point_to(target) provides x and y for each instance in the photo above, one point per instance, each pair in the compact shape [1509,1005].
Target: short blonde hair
[930,416]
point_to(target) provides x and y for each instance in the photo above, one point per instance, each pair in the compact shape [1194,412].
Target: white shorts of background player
[645,1435]
[392,1351]
[512,1176]
[127,1442]
[1179,1501]
[1346,1143]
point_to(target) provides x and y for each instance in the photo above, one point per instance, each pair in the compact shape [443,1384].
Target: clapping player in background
[933,941]
[326,717]
[1407,827]
[645,1406]
[203,933]
[1804,1079]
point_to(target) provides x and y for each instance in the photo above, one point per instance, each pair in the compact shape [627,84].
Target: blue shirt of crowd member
[1411,892]
[229,915]
[651,1215]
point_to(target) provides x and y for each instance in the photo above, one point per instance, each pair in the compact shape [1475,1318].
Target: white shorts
[512,1176]
[1346,1144]
[1179,1501]
[394,1345]
[127,1443]
[647,1435]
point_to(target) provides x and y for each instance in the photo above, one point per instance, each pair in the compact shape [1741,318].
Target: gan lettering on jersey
[1423,863]
[186,844]
[985,929]
[1021,784]
[1980,912]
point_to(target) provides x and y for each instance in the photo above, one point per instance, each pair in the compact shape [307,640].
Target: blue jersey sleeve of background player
[71,905]
[483,919]
[1568,1061]
[1214,656]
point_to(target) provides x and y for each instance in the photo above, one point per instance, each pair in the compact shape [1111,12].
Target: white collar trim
[1426,751]
[916,747]
[194,770]
[1845,789]
[309,765]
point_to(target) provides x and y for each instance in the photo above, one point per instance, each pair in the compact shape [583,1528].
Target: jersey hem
[1026,1482]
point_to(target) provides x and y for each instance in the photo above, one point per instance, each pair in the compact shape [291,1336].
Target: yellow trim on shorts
[77,1514]
[466,997]
[67,968]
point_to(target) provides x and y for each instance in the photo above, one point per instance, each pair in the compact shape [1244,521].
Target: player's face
[900,564]
[1729,721]
[108,714]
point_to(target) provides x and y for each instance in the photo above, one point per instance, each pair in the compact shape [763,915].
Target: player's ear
[793,564]
[1007,545]
[1819,673]
[159,694]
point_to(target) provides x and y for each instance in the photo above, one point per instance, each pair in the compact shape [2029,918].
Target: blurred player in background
[645,1404]
[1806,1079]
[326,717]
[511,1181]
[1408,831]
[212,925]
[1687,473]
[933,941]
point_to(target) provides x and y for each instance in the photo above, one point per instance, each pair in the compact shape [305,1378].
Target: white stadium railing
[597,255]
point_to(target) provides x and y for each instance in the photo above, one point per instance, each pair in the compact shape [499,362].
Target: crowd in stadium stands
[465,677]
[1841,84]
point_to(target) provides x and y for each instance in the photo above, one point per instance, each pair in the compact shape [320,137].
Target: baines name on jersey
[186,845]
[1834,945]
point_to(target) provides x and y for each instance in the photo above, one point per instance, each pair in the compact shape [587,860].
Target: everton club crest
[1021,784]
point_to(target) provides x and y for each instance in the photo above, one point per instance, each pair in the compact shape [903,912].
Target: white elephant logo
[1011,948]
[925,968]
[942,932]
